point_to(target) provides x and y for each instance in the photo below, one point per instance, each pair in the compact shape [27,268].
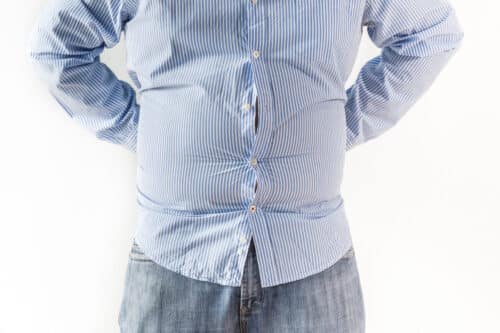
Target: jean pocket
[137,254]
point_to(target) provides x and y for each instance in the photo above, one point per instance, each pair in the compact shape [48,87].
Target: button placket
[252,209]
[243,239]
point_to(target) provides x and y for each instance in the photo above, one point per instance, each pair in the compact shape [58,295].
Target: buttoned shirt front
[204,140]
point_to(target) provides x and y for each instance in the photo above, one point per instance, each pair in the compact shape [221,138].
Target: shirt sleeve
[416,38]
[65,45]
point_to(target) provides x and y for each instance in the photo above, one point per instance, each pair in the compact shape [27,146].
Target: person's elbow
[452,31]
[40,54]
[51,57]
[440,31]
[35,50]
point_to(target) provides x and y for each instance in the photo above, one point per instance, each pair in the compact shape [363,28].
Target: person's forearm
[417,39]
[65,46]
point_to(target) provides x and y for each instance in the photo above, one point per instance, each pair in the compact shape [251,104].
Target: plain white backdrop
[423,199]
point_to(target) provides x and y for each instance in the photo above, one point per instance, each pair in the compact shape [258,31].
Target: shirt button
[253,161]
[254,1]
[240,251]
[243,239]
[246,106]
[255,54]
[253,208]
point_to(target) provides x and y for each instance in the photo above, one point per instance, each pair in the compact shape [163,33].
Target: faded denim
[157,300]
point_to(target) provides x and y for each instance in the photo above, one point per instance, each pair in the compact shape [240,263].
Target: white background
[423,199]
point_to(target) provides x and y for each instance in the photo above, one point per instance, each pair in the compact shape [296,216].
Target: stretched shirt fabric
[198,67]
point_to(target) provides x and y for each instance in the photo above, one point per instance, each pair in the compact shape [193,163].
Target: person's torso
[194,64]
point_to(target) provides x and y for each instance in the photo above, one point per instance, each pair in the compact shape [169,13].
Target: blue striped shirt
[243,120]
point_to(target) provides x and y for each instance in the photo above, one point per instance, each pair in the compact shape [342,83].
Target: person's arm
[417,38]
[65,45]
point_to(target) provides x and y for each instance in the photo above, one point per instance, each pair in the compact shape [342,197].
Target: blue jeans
[157,300]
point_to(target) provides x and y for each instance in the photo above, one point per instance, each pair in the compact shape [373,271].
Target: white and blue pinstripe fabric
[194,66]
